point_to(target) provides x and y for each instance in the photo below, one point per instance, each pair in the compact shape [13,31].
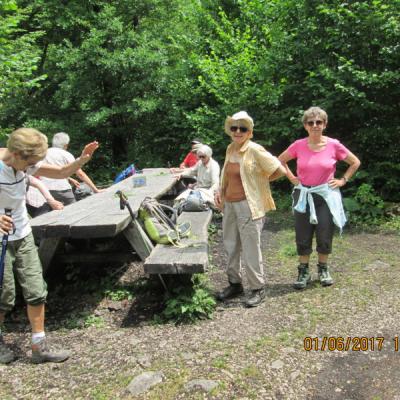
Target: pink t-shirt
[317,167]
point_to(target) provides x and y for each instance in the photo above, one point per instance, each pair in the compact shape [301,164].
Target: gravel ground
[251,353]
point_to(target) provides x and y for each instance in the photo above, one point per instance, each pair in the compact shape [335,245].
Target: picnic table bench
[191,256]
[100,216]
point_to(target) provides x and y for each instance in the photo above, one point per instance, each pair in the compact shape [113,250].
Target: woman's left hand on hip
[336,183]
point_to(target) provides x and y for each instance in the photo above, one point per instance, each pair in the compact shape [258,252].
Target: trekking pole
[4,243]
[123,202]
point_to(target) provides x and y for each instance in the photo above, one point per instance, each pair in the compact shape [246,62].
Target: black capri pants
[305,230]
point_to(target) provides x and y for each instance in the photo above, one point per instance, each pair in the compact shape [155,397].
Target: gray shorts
[305,230]
[23,264]
[65,196]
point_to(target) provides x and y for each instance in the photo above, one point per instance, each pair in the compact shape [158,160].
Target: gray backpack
[194,202]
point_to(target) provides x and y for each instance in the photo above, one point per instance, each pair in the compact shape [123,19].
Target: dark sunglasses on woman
[242,129]
[312,123]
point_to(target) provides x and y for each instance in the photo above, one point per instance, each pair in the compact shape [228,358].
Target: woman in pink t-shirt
[316,157]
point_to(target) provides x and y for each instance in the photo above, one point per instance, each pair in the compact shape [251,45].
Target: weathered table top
[99,215]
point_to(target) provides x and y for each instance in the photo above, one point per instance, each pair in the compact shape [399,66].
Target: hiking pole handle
[123,202]
[4,243]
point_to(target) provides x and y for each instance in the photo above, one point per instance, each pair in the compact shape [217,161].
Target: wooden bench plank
[192,257]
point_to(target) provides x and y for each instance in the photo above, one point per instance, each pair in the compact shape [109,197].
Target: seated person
[207,172]
[38,198]
[191,157]
[58,155]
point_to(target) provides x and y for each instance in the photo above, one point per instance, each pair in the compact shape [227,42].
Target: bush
[366,207]
[190,302]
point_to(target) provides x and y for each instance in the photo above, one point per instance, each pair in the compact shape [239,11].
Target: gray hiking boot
[6,354]
[41,353]
[234,289]
[303,278]
[324,275]
[255,298]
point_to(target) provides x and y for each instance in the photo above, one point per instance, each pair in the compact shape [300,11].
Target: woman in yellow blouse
[245,197]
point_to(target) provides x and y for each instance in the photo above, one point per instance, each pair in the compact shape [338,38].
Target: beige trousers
[242,241]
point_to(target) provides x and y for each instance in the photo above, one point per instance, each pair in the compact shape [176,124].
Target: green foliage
[93,320]
[366,207]
[19,60]
[190,303]
[143,76]
[118,294]
[283,200]
[106,286]
[212,231]
[392,224]
[288,250]
[82,320]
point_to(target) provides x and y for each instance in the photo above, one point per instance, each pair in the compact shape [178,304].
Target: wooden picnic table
[99,216]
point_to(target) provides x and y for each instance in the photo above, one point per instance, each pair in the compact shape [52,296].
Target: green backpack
[160,227]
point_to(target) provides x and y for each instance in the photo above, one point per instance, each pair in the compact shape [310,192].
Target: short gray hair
[206,150]
[60,139]
[315,112]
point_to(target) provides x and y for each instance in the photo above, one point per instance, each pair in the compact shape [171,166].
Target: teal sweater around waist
[332,197]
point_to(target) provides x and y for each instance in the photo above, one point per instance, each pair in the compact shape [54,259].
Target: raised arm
[58,172]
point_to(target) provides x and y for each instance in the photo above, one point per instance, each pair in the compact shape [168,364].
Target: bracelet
[345,179]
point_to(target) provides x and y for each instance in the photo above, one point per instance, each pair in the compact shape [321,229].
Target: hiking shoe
[303,278]
[255,298]
[6,354]
[41,353]
[324,275]
[234,289]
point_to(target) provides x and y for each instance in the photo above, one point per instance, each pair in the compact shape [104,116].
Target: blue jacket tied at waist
[332,197]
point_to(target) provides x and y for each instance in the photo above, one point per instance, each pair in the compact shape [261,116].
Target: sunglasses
[242,129]
[312,123]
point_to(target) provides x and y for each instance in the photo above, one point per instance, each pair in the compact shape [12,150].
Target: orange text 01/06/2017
[349,343]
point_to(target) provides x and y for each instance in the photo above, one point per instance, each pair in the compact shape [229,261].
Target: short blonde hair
[28,142]
[315,112]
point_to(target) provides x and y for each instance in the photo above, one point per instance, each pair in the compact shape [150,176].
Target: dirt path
[251,353]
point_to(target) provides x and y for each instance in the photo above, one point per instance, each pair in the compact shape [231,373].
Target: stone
[277,364]
[294,375]
[134,341]
[188,356]
[289,350]
[114,305]
[144,361]
[143,382]
[377,264]
[202,384]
